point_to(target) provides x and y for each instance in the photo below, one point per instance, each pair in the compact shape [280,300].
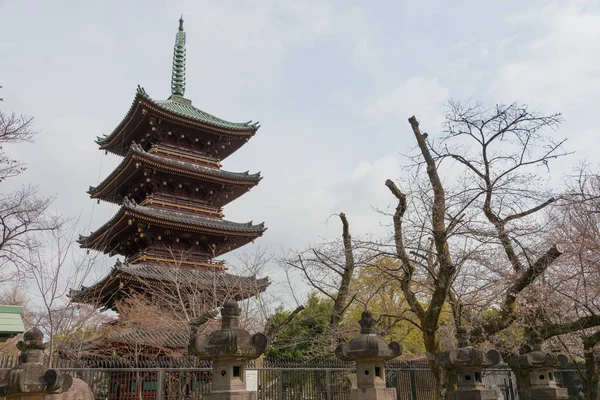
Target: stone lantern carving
[229,348]
[30,379]
[369,351]
[466,363]
[535,372]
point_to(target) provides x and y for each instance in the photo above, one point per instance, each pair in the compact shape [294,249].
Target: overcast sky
[332,83]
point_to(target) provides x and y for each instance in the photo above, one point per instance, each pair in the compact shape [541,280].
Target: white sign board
[251,380]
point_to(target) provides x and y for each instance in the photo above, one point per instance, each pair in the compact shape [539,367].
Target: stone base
[373,394]
[79,390]
[26,396]
[230,395]
[549,393]
[473,394]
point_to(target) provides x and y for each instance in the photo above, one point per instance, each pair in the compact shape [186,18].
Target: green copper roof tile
[178,75]
[176,104]
[11,322]
[183,107]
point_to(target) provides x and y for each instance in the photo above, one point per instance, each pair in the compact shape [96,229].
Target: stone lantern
[535,372]
[369,351]
[31,380]
[466,363]
[229,348]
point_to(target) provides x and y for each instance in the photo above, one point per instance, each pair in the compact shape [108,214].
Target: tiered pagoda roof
[122,223]
[178,111]
[111,188]
[115,286]
[171,188]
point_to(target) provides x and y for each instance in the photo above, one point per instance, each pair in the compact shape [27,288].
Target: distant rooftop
[11,323]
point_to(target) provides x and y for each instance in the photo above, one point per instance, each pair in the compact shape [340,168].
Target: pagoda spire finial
[178,76]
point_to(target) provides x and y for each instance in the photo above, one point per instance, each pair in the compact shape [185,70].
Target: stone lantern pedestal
[466,364]
[229,348]
[369,351]
[535,373]
[31,380]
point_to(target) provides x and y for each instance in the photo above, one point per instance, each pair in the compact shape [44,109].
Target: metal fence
[413,381]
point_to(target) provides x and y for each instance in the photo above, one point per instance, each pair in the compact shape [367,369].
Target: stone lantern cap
[369,345]
[231,341]
[538,358]
[466,356]
[30,375]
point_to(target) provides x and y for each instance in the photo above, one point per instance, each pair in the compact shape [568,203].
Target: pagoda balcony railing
[166,257]
[165,200]
[186,154]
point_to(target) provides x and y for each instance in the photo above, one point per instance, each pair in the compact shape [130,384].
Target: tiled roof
[191,220]
[196,276]
[218,174]
[11,322]
[176,339]
[167,338]
[182,107]
[179,106]
[214,278]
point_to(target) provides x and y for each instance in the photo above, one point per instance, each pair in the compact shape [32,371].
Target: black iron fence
[275,380]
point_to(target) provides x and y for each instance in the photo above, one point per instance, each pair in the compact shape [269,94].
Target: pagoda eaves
[178,111]
[131,213]
[137,277]
[137,159]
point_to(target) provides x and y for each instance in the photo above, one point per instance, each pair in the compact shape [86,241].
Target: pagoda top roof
[176,109]
[179,108]
[211,174]
[183,107]
[177,220]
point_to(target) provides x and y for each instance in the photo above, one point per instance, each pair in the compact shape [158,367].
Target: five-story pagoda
[171,190]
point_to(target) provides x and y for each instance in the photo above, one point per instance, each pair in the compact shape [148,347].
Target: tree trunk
[341,301]
[444,382]
[50,345]
[592,373]
[592,376]
[521,384]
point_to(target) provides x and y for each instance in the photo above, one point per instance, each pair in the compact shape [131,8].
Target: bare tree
[14,128]
[54,272]
[168,301]
[23,214]
[329,268]
[467,228]
[568,300]
[493,154]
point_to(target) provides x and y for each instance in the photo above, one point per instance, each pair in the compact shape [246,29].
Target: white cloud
[322,149]
[299,209]
[419,96]
[362,52]
[559,68]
